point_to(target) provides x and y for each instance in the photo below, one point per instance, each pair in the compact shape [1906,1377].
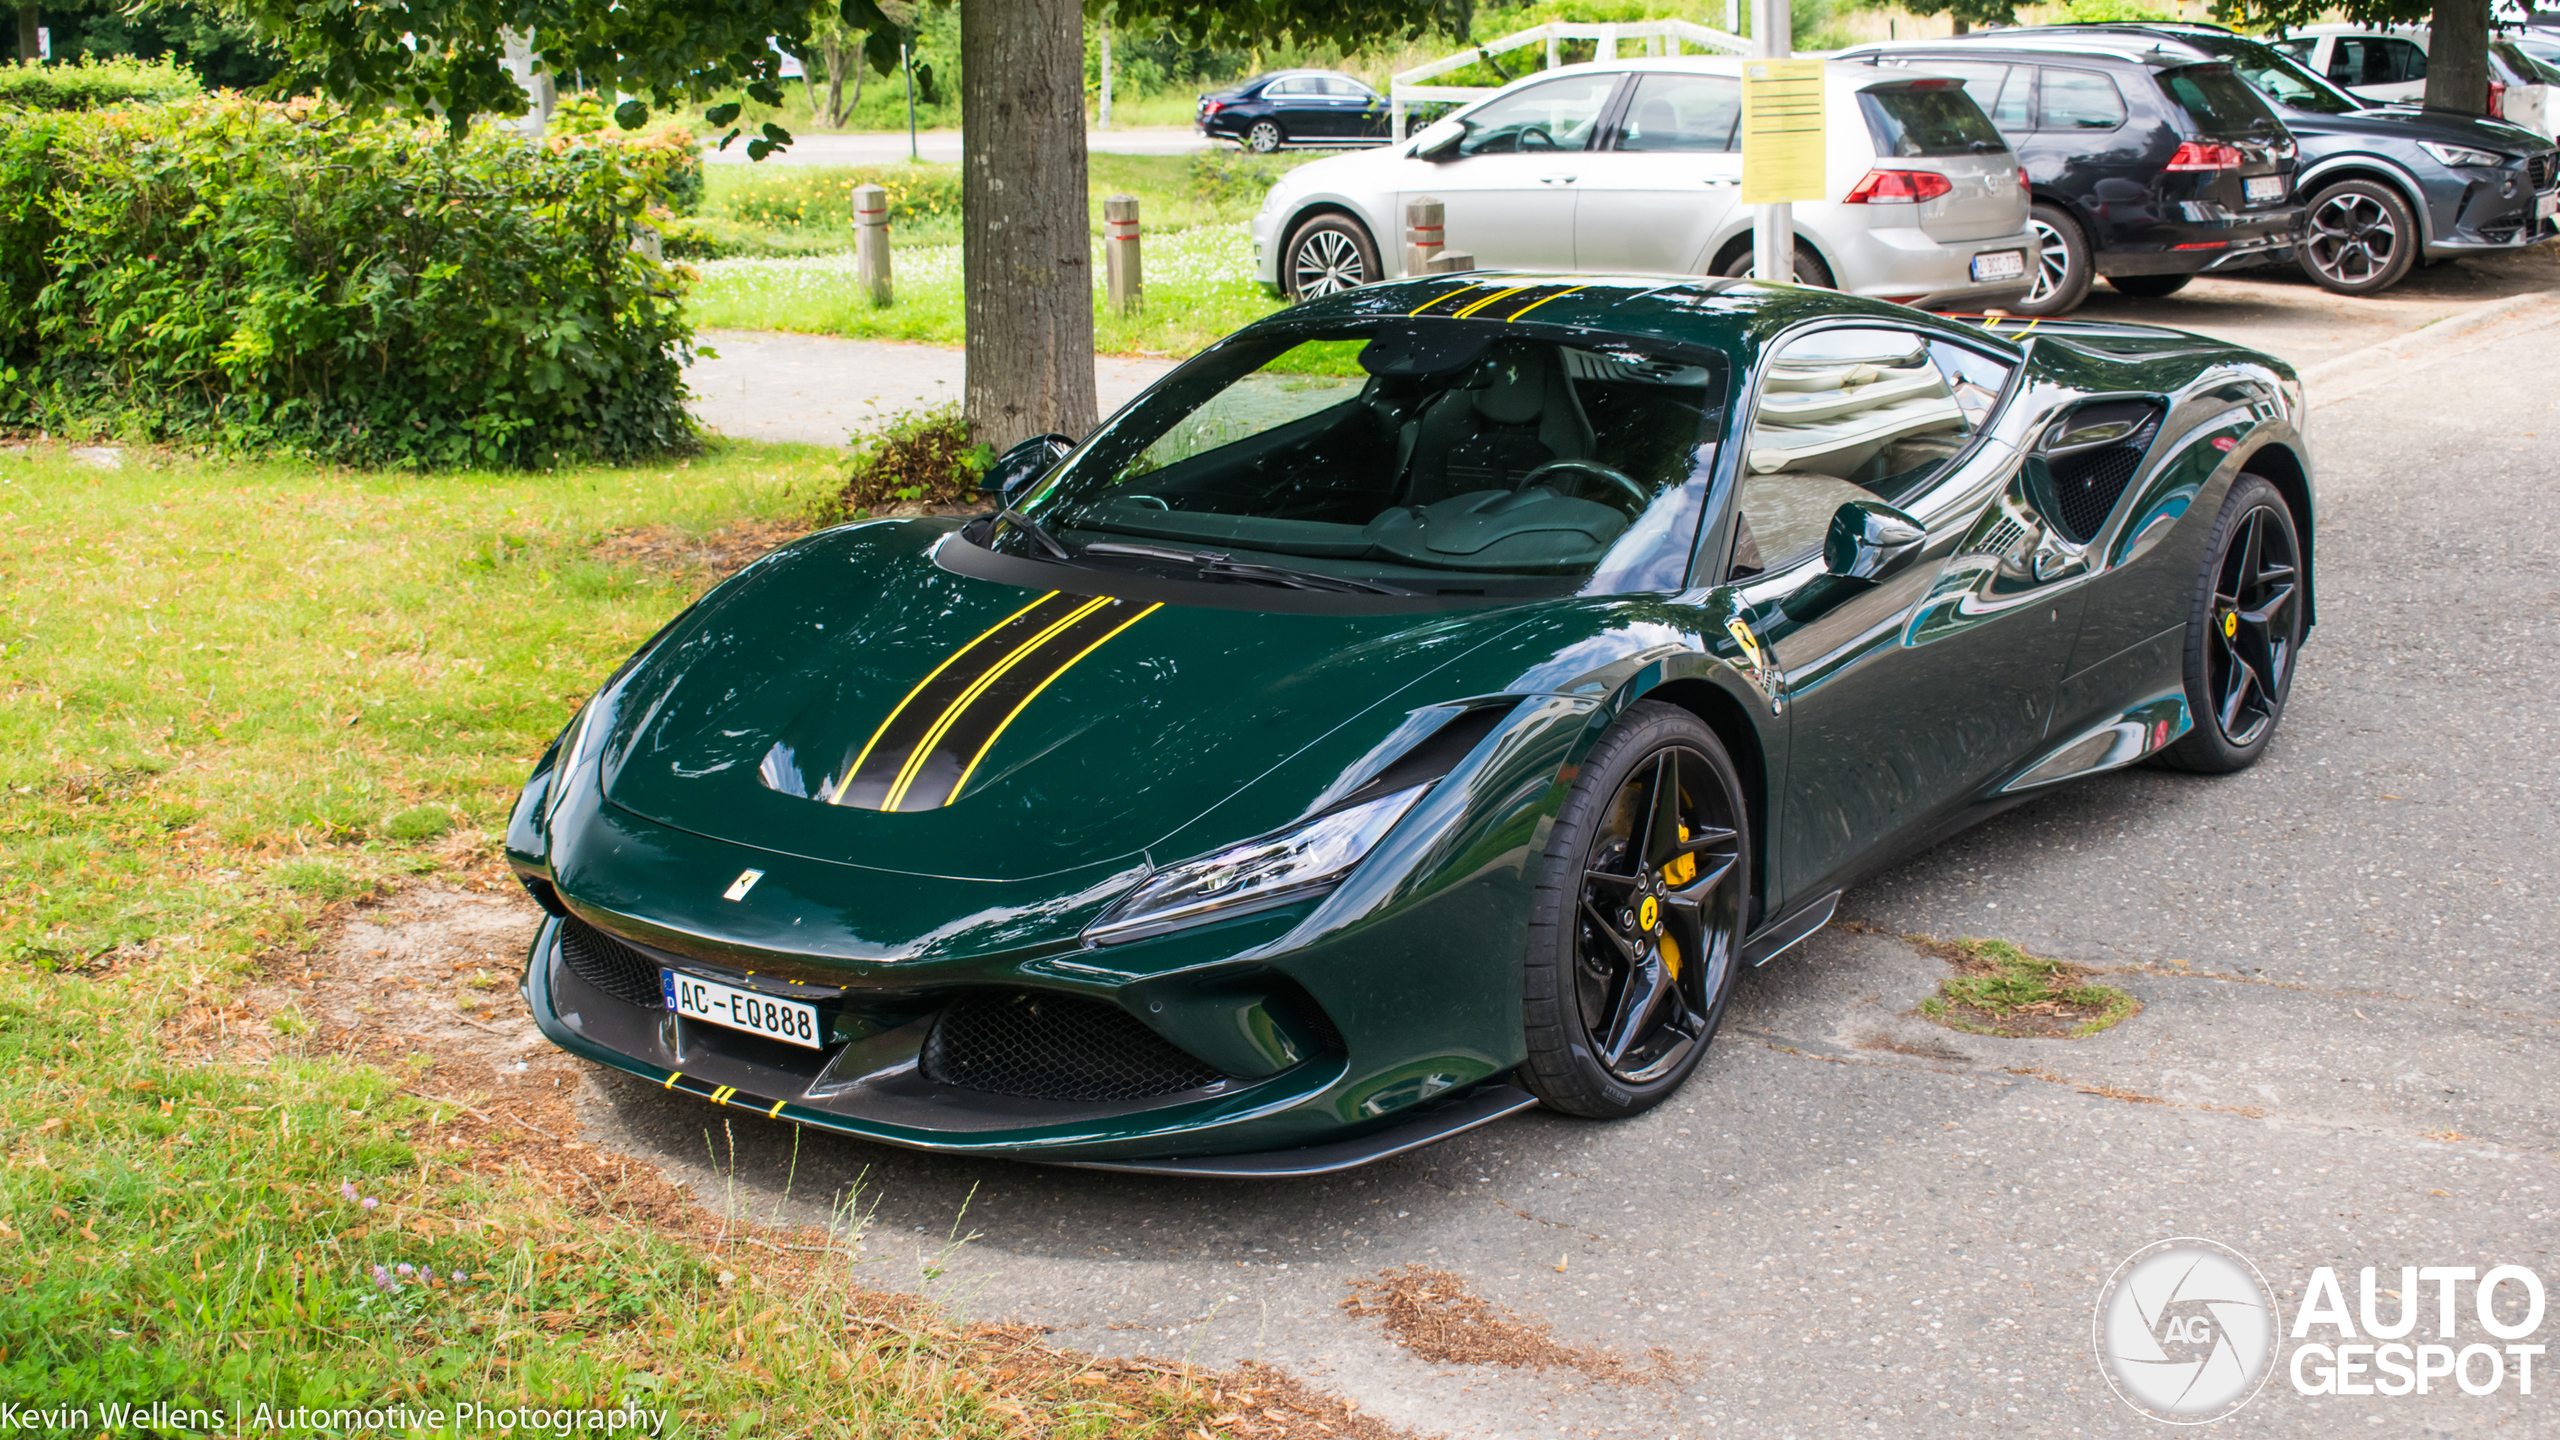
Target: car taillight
[1898,187]
[2497,101]
[2195,155]
[2023,182]
[1211,107]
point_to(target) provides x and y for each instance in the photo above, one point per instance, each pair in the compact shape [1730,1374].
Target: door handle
[1557,179]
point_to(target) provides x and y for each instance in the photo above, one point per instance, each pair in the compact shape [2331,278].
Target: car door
[1368,117]
[1656,192]
[1297,108]
[1901,707]
[1508,185]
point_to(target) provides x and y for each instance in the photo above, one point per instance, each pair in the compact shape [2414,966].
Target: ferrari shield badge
[1755,663]
[739,887]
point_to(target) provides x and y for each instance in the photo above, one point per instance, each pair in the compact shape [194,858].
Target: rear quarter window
[1927,117]
[2215,100]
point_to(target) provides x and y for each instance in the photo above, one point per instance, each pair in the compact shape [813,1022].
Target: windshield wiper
[1031,527]
[1214,562]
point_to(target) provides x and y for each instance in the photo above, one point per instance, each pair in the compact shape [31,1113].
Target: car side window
[1867,413]
[1682,112]
[2407,61]
[1284,89]
[2080,100]
[1553,115]
[1983,82]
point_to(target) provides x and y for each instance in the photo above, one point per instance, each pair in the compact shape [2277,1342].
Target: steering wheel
[1539,133]
[1634,491]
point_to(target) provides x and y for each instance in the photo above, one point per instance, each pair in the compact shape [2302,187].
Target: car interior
[1843,415]
[1447,446]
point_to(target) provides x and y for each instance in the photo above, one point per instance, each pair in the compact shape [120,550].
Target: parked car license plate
[2263,189]
[2000,265]
[698,999]
[2546,206]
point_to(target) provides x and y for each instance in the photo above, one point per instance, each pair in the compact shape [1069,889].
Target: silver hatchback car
[1635,166]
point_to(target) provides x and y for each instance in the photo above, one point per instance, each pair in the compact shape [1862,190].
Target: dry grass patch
[1999,989]
[1438,1317]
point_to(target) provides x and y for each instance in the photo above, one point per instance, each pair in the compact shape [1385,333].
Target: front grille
[1055,1047]
[2087,486]
[609,965]
[2539,168]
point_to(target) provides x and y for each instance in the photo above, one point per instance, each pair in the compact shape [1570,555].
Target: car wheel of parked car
[1328,253]
[2242,632]
[1635,931]
[1264,137]
[2062,265]
[2358,237]
[2148,287]
[1809,267]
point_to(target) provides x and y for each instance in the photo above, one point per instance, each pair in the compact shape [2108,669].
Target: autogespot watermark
[2187,1331]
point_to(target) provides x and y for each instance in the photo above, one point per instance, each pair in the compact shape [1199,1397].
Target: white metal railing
[1660,37]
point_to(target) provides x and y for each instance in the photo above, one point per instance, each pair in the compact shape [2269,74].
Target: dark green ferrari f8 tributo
[1417,707]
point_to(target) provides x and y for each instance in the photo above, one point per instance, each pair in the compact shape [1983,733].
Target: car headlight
[2462,155]
[1255,875]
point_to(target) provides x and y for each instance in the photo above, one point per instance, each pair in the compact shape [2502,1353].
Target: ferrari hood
[848,700]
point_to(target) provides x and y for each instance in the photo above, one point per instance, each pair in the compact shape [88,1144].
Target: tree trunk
[2458,57]
[28,51]
[1025,253]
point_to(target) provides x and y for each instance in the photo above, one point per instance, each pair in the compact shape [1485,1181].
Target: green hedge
[241,276]
[88,84]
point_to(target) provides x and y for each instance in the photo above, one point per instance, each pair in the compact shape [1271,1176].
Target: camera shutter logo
[2186,1331]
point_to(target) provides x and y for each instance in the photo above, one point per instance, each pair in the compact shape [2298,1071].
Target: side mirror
[1440,139]
[1870,540]
[1015,469]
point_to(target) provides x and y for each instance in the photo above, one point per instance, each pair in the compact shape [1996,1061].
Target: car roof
[1836,74]
[2340,27]
[2159,47]
[1961,47]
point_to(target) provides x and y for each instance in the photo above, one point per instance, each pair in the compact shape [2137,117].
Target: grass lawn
[230,695]
[1197,259]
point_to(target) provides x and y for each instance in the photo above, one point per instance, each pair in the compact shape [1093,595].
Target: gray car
[1635,167]
[2380,187]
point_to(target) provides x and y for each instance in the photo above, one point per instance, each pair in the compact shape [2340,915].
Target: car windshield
[1424,457]
[2215,100]
[2277,76]
[1927,117]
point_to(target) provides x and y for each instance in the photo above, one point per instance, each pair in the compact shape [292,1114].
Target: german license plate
[2263,189]
[698,999]
[2000,265]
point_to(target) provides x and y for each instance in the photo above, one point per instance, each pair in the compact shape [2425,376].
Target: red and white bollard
[1425,234]
[871,241]
[1122,282]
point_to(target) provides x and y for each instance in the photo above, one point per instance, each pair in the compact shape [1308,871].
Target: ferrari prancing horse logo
[739,887]
[1648,913]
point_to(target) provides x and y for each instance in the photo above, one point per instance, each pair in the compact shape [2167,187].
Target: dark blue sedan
[1295,107]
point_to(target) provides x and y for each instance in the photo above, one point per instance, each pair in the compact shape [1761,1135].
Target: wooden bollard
[1122,281]
[1450,262]
[871,241]
[1424,234]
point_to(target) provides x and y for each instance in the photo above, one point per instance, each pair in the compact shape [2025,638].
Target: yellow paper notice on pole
[1781,131]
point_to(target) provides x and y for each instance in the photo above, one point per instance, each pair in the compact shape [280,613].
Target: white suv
[1635,167]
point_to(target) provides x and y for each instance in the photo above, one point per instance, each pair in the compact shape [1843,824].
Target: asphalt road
[1852,1223]
[880,147]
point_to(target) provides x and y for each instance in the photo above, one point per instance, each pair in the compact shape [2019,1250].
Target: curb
[2421,344]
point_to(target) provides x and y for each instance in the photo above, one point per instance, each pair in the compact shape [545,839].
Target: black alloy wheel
[2148,287]
[1636,932]
[1264,136]
[1328,253]
[2061,269]
[2358,237]
[2243,633]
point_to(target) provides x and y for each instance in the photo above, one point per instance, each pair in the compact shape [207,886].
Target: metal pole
[1105,28]
[1773,230]
[907,62]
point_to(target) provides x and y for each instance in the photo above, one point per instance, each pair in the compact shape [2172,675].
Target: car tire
[1264,136]
[2063,269]
[1744,265]
[1600,981]
[1328,253]
[2244,633]
[2148,287]
[2357,237]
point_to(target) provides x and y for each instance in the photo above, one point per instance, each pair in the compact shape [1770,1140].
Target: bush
[246,277]
[813,196]
[916,461]
[88,84]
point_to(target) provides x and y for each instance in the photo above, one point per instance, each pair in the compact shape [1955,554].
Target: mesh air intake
[1055,1047]
[609,965]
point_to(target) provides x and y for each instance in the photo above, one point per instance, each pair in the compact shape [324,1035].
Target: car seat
[1513,413]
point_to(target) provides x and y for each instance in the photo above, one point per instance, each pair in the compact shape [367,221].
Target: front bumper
[2496,210]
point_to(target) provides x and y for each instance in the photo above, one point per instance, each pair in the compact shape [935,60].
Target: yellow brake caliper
[1682,869]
